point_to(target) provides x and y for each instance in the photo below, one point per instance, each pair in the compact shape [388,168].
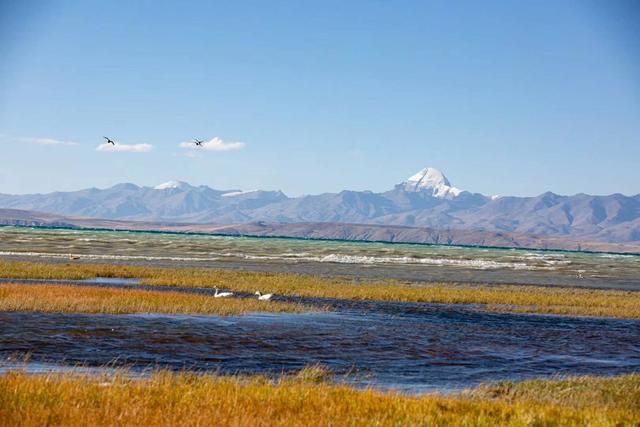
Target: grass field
[184,399]
[510,298]
[87,299]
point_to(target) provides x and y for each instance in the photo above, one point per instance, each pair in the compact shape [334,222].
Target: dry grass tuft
[87,299]
[168,399]
[313,374]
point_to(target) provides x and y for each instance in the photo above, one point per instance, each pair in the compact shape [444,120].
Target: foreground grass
[166,399]
[511,298]
[86,299]
[609,393]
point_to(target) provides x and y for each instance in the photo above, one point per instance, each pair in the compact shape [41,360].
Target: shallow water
[98,281]
[409,347]
[355,259]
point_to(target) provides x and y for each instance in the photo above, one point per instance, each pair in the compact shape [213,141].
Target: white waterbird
[263,297]
[222,294]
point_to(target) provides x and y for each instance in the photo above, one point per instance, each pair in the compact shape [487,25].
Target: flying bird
[109,141]
[198,142]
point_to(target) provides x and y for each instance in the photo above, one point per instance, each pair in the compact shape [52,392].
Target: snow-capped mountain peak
[172,185]
[433,181]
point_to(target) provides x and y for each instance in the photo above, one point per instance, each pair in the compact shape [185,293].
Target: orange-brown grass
[169,399]
[511,298]
[611,393]
[86,299]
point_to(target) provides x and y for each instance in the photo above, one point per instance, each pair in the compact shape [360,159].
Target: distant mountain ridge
[426,199]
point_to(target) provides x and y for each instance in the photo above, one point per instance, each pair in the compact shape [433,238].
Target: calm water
[411,347]
[357,259]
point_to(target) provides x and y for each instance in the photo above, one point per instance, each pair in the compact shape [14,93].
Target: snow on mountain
[432,181]
[171,185]
[238,193]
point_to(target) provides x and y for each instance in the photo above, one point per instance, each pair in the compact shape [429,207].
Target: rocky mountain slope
[426,199]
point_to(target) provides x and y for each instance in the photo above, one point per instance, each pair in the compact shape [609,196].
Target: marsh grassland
[183,399]
[91,300]
[312,397]
[502,298]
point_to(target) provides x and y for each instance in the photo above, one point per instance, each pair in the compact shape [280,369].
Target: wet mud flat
[409,347]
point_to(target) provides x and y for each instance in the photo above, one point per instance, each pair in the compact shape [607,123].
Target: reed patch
[93,300]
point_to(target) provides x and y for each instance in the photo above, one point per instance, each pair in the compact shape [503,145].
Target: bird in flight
[198,142]
[109,141]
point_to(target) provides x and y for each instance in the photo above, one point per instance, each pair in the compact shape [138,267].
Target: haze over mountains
[426,199]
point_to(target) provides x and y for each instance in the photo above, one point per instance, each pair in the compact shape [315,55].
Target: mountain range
[426,199]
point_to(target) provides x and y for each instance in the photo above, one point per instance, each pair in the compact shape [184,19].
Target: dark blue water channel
[411,347]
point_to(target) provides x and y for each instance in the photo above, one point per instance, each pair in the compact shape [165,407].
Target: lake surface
[409,347]
[361,260]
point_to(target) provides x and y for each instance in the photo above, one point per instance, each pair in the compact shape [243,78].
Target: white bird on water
[222,294]
[263,297]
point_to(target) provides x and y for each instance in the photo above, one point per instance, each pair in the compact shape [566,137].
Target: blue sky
[511,98]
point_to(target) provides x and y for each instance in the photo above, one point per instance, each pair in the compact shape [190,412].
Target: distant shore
[325,231]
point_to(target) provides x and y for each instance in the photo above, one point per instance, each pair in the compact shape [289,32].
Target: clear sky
[505,97]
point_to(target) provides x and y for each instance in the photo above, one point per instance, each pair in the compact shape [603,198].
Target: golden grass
[610,393]
[510,298]
[169,399]
[87,299]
